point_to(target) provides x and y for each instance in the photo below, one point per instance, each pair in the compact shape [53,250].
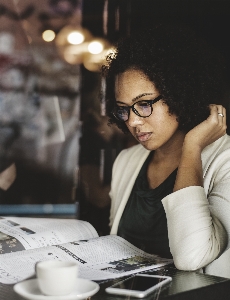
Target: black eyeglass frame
[127,108]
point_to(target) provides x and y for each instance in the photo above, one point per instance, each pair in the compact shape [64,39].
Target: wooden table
[184,286]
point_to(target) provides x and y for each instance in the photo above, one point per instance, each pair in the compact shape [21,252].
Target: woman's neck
[164,161]
[171,151]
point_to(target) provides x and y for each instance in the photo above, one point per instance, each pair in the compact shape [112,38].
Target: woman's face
[158,130]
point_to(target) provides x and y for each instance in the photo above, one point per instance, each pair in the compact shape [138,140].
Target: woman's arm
[190,172]
[196,235]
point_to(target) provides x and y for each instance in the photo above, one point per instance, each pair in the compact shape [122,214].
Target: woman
[171,193]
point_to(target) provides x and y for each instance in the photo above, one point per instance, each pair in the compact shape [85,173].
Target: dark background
[210,18]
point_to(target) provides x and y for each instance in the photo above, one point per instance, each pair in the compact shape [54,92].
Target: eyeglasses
[141,108]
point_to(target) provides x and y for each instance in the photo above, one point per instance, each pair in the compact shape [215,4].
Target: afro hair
[186,71]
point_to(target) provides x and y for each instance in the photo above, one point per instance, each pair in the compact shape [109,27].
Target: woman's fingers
[210,130]
[218,112]
[221,114]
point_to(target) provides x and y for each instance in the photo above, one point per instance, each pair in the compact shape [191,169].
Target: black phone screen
[138,283]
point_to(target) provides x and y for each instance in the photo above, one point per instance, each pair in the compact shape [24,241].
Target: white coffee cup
[56,278]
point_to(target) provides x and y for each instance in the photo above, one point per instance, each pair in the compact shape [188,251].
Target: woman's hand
[190,172]
[209,130]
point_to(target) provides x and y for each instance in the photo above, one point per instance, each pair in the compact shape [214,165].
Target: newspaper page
[19,233]
[100,258]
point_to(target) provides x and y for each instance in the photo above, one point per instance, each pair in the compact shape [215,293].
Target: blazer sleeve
[198,218]
[116,191]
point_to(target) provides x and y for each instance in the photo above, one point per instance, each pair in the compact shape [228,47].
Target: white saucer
[29,290]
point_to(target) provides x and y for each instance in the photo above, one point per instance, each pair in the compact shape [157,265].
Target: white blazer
[198,217]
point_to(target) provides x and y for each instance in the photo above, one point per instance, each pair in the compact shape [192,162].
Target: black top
[143,222]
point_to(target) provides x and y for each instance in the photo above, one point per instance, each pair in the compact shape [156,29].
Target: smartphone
[139,285]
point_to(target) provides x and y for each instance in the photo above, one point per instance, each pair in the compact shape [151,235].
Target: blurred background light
[72,35]
[95,47]
[72,42]
[93,62]
[48,35]
[75,38]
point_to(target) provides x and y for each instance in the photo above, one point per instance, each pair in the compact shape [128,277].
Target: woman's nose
[134,119]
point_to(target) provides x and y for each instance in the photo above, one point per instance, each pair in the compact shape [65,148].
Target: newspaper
[18,233]
[99,258]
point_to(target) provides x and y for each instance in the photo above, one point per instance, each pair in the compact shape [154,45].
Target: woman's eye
[143,104]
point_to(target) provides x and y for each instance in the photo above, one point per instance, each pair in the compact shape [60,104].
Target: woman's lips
[143,136]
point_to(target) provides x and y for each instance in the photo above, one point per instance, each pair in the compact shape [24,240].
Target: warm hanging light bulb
[72,35]
[95,47]
[75,38]
[48,35]
[72,42]
[93,62]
